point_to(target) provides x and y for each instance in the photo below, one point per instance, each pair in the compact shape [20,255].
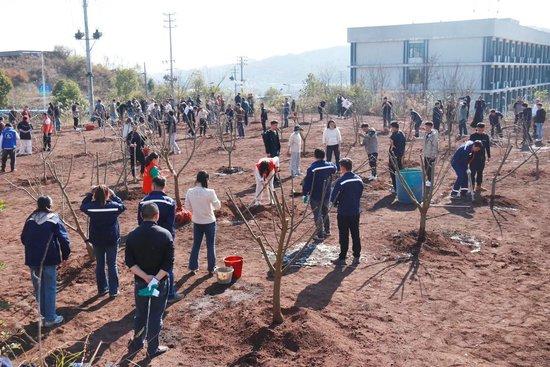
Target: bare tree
[228,139]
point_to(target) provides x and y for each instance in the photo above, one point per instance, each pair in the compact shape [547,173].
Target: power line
[171,25]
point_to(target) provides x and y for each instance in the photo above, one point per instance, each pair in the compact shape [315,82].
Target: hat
[297,128]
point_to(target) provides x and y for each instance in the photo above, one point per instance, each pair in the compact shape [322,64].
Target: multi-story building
[496,58]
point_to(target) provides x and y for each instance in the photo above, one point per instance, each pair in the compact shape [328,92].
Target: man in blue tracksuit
[462,157]
[103,207]
[46,245]
[319,177]
[8,143]
[167,217]
[346,195]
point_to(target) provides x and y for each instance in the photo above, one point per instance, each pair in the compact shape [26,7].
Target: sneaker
[356,260]
[370,178]
[103,292]
[428,184]
[193,271]
[339,262]
[160,350]
[318,239]
[213,271]
[58,320]
[113,295]
[177,297]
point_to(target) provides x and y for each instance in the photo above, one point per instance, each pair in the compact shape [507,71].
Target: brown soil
[461,308]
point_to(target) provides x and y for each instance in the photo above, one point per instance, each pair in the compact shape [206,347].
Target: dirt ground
[477,297]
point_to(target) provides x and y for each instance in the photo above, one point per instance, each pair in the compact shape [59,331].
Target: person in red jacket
[264,172]
[151,171]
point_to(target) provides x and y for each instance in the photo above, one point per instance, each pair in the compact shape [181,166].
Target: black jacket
[486,144]
[540,117]
[137,139]
[104,228]
[150,247]
[24,129]
[264,115]
[272,143]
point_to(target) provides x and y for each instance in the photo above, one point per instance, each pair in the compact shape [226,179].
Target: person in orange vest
[151,171]
[47,130]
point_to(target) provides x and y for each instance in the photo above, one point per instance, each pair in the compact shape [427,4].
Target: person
[272,142]
[295,151]
[396,152]
[149,254]
[494,119]
[103,207]
[459,162]
[2,124]
[151,171]
[417,121]
[12,116]
[467,101]
[76,115]
[346,195]
[8,143]
[47,131]
[316,190]
[201,202]
[332,138]
[286,112]
[47,245]
[370,143]
[49,111]
[477,164]
[136,142]
[230,114]
[263,116]
[479,108]
[430,151]
[167,220]
[321,109]
[539,120]
[437,115]
[386,112]
[25,134]
[238,99]
[246,108]
[264,173]
[202,115]
[113,112]
[346,107]
[450,113]
[339,99]
[100,112]
[171,130]
[26,111]
[462,119]
[239,116]
[526,118]
[57,116]
[518,109]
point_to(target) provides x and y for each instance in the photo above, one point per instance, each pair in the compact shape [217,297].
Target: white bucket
[224,274]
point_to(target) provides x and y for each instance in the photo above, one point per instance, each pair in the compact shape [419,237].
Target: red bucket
[236,262]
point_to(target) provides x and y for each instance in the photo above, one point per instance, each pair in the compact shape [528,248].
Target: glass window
[416,50]
[415,76]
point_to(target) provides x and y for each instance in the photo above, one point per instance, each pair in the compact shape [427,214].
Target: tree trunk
[229,153]
[277,278]
[177,190]
[422,228]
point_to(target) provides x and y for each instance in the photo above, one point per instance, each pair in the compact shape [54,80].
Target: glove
[305,199]
[149,291]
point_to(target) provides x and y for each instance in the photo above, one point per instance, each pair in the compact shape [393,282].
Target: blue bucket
[413,178]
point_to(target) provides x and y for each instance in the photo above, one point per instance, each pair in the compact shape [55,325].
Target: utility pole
[43,82]
[145,81]
[235,78]
[170,22]
[242,62]
[86,35]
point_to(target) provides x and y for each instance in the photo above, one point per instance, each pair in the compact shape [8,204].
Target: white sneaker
[428,184]
[58,320]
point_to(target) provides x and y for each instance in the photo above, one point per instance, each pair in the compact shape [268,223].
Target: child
[477,164]
[47,130]
[494,120]
[151,171]
[295,151]
[264,172]
[430,151]
[25,130]
[397,150]
[370,142]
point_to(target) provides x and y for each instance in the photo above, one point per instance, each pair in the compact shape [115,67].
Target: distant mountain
[286,72]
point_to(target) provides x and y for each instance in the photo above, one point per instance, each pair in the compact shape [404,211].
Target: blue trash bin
[413,178]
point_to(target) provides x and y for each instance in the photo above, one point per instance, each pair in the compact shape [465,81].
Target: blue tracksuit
[9,138]
[346,194]
[459,162]
[104,229]
[43,231]
[167,210]
[318,175]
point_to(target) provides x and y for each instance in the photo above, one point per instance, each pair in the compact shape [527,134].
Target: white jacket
[295,142]
[332,137]
[431,147]
[202,202]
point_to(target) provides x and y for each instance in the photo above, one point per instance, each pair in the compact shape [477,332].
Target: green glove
[149,291]
[305,199]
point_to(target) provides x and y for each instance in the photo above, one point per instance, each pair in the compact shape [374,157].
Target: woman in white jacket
[332,140]
[201,202]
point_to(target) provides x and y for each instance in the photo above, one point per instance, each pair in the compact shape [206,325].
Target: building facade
[496,58]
